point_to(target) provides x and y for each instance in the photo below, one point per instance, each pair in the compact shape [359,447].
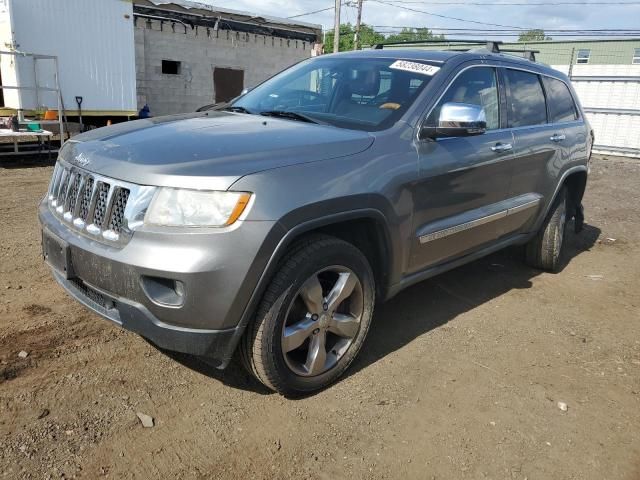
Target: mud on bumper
[216,345]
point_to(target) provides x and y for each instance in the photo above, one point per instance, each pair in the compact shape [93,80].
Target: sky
[550,16]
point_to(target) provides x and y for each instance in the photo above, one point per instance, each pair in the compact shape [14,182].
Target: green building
[584,52]
[563,52]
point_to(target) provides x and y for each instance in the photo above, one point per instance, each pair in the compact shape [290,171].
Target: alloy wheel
[322,321]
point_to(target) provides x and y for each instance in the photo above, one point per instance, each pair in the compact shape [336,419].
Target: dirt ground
[460,377]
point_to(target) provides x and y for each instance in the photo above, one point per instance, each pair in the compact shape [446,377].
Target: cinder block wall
[200,52]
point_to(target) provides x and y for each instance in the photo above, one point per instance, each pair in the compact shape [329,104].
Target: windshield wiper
[287,114]
[231,108]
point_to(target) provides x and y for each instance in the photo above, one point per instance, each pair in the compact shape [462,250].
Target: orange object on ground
[50,115]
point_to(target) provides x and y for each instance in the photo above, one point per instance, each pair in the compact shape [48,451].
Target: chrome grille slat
[92,204]
[67,185]
[85,202]
[118,206]
[74,190]
[55,181]
[62,188]
[100,209]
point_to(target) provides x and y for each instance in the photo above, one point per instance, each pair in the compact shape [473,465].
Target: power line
[553,30]
[421,2]
[311,13]
[332,7]
[444,16]
[386,29]
[501,32]
[556,35]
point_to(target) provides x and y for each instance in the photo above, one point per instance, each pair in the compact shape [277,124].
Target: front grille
[88,202]
[92,294]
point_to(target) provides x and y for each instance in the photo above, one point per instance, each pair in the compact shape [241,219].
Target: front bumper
[217,272]
[214,344]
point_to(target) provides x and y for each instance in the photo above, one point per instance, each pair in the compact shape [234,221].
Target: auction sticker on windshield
[415,67]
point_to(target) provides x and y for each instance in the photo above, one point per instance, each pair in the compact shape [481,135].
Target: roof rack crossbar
[491,45]
[528,54]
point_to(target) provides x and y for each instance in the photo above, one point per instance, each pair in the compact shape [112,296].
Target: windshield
[357,93]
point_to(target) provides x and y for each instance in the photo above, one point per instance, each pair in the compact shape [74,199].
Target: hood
[206,150]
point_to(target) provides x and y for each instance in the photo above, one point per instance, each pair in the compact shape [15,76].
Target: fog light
[163,291]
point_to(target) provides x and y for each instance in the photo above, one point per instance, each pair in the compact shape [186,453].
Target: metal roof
[191,5]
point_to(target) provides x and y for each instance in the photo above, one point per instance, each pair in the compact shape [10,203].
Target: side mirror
[457,120]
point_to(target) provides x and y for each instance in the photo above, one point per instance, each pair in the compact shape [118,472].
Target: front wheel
[313,318]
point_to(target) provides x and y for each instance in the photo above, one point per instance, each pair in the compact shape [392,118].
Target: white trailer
[94,44]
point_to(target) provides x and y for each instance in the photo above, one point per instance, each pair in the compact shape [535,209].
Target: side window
[561,105]
[477,86]
[525,99]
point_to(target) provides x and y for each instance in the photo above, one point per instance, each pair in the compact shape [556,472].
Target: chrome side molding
[437,235]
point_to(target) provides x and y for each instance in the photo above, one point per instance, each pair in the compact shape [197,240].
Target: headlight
[175,207]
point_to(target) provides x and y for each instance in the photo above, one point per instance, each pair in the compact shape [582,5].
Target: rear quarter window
[525,99]
[562,108]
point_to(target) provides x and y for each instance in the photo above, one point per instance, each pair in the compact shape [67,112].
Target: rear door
[463,181]
[564,113]
[538,144]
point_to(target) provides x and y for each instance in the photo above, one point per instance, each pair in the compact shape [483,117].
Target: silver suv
[272,225]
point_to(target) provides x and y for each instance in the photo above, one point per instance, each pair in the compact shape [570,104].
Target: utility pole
[356,36]
[336,28]
[573,51]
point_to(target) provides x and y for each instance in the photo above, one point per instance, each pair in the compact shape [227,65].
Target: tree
[368,36]
[413,34]
[534,35]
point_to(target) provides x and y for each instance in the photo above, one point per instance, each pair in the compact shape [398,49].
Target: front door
[463,190]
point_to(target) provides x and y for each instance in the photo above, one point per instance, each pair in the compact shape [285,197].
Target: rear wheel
[313,317]
[545,250]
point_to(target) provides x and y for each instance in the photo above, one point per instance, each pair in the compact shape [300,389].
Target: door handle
[557,137]
[501,147]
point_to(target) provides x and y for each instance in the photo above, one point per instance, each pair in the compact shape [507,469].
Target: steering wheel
[296,98]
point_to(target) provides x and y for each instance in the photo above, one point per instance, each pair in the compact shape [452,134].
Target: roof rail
[492,46]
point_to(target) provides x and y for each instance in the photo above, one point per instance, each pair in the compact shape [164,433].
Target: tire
[306,304]
[545,250]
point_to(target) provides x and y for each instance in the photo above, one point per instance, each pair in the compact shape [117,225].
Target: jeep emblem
[81,160]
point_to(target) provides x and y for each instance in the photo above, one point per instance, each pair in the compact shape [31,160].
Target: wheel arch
[365,228]
[374,239]
[576,183]
[575,179]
